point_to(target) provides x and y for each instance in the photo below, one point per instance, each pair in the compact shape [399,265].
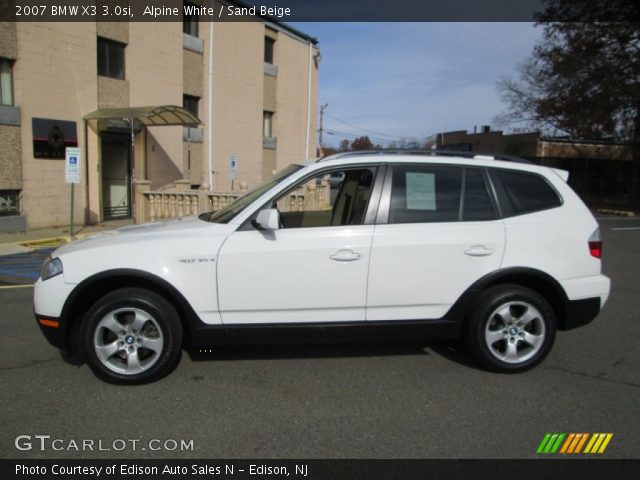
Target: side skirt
[330,332]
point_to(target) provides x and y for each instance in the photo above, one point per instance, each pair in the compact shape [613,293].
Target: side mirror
[268,219]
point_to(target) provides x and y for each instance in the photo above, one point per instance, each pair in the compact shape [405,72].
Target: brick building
[600,171]
[245,92]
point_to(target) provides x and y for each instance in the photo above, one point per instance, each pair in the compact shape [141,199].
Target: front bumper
[48,302]
[53,330]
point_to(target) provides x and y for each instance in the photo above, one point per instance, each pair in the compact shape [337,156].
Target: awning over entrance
[118,172]
[149,116]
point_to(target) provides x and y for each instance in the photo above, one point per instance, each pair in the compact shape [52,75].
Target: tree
[363,143]
[344,145]
[583,78]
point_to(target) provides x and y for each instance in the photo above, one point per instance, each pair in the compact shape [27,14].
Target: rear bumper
[579,313]
[585,298]
[587,287]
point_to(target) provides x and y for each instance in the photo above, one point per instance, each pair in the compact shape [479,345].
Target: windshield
[234,208]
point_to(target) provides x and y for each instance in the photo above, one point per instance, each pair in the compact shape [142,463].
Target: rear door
[437,232]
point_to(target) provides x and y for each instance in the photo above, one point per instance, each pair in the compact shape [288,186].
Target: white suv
[407,245]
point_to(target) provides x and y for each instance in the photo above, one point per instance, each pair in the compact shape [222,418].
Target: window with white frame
[267,124]
[6,82]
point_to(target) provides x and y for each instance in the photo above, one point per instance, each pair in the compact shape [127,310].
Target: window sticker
[421,191]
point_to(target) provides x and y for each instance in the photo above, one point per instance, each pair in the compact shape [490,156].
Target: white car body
[346,274]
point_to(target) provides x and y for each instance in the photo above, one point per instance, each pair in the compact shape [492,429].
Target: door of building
[116,176]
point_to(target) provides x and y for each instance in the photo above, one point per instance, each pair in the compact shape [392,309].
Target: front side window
[336,198]
[6,82]
[425,193]
[110,59]
[525,192]
[226,214]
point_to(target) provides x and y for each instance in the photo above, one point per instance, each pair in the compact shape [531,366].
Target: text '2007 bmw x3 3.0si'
[404,245]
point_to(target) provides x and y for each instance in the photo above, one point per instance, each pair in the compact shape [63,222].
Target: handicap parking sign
[72,165]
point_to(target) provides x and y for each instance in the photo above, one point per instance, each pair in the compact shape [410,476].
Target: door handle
[345,256]
[479,251]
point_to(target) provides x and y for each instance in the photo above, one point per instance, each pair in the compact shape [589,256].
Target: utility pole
[322,109]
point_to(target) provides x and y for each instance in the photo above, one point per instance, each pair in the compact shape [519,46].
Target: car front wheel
[510,328]
[131,335]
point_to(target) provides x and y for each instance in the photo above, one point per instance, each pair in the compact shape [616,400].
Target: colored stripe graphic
[543,443]
[550,443]
[573,443]
[576,443]
[581,443]
[565,447]
[598,442]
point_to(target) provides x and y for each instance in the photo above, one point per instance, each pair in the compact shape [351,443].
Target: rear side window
[477,201]
[523,192]
[425,193]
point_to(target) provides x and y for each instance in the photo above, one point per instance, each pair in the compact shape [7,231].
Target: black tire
[510,328]
[142,346]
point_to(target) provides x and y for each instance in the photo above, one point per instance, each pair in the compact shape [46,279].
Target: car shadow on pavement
[449,350]
[293,351]
[454,352]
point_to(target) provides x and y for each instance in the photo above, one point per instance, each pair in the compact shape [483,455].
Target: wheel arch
[87,292]
[536,280]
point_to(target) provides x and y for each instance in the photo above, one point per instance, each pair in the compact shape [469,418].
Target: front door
[314,268]
[116,176]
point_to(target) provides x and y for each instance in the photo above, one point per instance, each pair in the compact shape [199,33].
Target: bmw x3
[495,251]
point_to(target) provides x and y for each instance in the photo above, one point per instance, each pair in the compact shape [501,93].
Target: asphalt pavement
[22,268]
[349,401]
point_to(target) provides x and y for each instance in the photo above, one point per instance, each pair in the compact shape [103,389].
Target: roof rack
[430,153]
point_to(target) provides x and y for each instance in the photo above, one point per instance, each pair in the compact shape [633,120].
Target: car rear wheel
[510,328]
[132,335]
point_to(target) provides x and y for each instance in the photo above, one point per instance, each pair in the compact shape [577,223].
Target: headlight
[51,268]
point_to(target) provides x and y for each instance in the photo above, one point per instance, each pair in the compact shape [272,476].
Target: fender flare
[74,301]
[546,285]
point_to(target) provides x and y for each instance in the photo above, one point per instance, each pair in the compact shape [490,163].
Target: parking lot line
[7,287]
[626,228]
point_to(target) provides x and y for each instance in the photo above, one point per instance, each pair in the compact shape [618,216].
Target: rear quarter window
[523,192]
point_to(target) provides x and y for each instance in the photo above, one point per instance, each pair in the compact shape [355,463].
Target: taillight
[595,244]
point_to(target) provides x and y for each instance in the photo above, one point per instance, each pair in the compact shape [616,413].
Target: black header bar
[313,10]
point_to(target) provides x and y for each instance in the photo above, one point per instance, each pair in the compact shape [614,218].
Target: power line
[354,135]
[364,129]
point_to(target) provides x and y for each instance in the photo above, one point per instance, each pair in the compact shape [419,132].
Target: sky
[414,79]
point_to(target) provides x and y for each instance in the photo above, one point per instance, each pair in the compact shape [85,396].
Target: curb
[47,242]
[620,213]
[44,242]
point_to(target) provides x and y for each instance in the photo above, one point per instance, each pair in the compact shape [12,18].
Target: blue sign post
[233,169]
[72,176]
